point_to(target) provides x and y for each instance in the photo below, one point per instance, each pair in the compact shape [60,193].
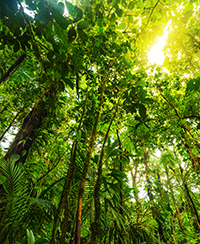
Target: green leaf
[42,241]
[12,4]
[195,151]
[134,30]
[69,83]
[83,24]
[122,26]
[131,5]
[198,126]
[188,14]
[71,34]
[113,18]
[137,125]
[61,20]
[78,134]
[141,83]
[14,158]
[193,84]
[70,8]
[23,153]
[64,70]
[119,12]
[61,7]
[82,35]
[31,237]
[114,153]
[79,14]
[50,55]
[142,110]
[43,16]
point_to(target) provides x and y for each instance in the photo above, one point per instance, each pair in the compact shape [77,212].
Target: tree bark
[26,136]
[95,226]
[13,68]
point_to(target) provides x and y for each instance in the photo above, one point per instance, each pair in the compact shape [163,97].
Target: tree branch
[13,68]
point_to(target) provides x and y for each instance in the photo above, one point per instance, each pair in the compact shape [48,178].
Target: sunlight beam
[156,54]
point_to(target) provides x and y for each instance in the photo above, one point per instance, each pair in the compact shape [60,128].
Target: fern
[20,211]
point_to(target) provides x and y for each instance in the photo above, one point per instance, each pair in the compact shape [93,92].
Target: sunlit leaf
[122,26]
[131,5]
[141,83]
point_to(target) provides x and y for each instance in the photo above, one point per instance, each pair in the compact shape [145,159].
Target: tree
[90,111]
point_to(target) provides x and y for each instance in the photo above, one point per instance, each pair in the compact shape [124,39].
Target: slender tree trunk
[7,129]
[64,202]
[189,207]
[85,169]
[193,158]
[174,201]
[193,205]
[95,226]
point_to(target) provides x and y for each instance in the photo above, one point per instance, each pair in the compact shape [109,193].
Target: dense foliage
[88,116]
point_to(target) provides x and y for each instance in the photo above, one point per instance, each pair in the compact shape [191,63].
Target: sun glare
[156,54]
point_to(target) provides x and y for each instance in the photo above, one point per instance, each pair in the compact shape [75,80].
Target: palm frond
[20,211]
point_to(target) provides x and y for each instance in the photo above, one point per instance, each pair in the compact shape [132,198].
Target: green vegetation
[88,113]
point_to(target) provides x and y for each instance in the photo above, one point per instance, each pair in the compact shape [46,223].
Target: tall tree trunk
[65,200]
[26,136]
[95,225]
[86,167]
[63,203]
